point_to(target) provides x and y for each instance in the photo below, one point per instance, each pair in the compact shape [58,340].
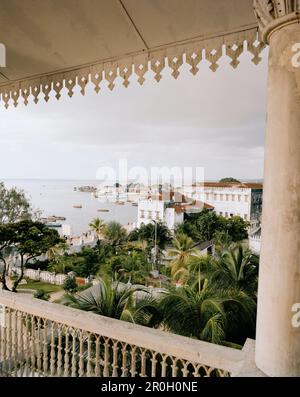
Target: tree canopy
[29,240]
[207,224]
[14,205]
[229,180]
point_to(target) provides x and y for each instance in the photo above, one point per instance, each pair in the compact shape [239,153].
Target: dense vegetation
[210,297]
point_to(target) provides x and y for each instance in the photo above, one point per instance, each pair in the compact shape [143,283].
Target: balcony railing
[39,338]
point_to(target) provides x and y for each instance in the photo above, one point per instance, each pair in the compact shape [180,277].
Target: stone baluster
[124,360]
[185,371]
[9,340]
[74,363]
[52,349]
[81,363]
[106,358]
[89,356]
[59,351]
[32,344]
[153,363]
[15,342]
[27,345]
[66,356]
[164,365]
[21,343]
[115,359]
[133,361]
[97,357]
[174,367]
[143,363]
[45,346]
[38,347]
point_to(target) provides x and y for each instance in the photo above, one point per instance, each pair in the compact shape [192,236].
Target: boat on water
[53,224]
[60,218]
[52,219]
[77,206]
[102,210]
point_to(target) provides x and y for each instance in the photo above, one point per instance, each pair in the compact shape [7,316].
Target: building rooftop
[242,185]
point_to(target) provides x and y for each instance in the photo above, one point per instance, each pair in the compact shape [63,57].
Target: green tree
[147,233]
[235,227]
[14,205]
[181,253]
[236,267]
[70,284]
[98,226]
[222,239]
[41,294]
[118,301]
[207,225]
[229,180]
[204,314]
[32,239]
[7,239]
[115,234]
[90,264]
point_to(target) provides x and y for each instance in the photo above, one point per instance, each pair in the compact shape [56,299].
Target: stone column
[277,340]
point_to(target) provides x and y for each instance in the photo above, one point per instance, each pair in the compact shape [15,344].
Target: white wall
[149,211]
[227,200]
[254,244]
[156,210]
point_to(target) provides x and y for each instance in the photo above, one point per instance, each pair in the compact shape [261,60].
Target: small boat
[53,224]
[102,210]
[77,206]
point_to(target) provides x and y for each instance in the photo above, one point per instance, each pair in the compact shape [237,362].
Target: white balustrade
[39,338]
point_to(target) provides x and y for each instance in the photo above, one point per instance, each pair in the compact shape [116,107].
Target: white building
[230,199]
[159,211]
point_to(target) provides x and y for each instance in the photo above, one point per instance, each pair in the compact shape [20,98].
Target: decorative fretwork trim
[211,50]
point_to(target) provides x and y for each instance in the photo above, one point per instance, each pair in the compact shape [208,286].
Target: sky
[211,120]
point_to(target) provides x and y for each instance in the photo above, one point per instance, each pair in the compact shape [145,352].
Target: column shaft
[277,341]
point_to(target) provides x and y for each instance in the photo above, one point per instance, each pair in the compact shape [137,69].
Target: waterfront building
[230,199]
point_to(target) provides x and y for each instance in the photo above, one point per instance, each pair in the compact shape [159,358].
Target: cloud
[217,119]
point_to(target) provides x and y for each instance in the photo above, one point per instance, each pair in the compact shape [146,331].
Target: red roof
[241,185]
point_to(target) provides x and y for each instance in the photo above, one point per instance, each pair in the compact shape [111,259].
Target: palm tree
[198,269]
[116,300]
[190,313]
[236,267]
[98,226]
[115,234]
[206,313]
[181,254]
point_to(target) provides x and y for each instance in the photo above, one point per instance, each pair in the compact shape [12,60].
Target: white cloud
[215,120]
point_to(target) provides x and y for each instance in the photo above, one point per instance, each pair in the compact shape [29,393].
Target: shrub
[70,285]
[41,294]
